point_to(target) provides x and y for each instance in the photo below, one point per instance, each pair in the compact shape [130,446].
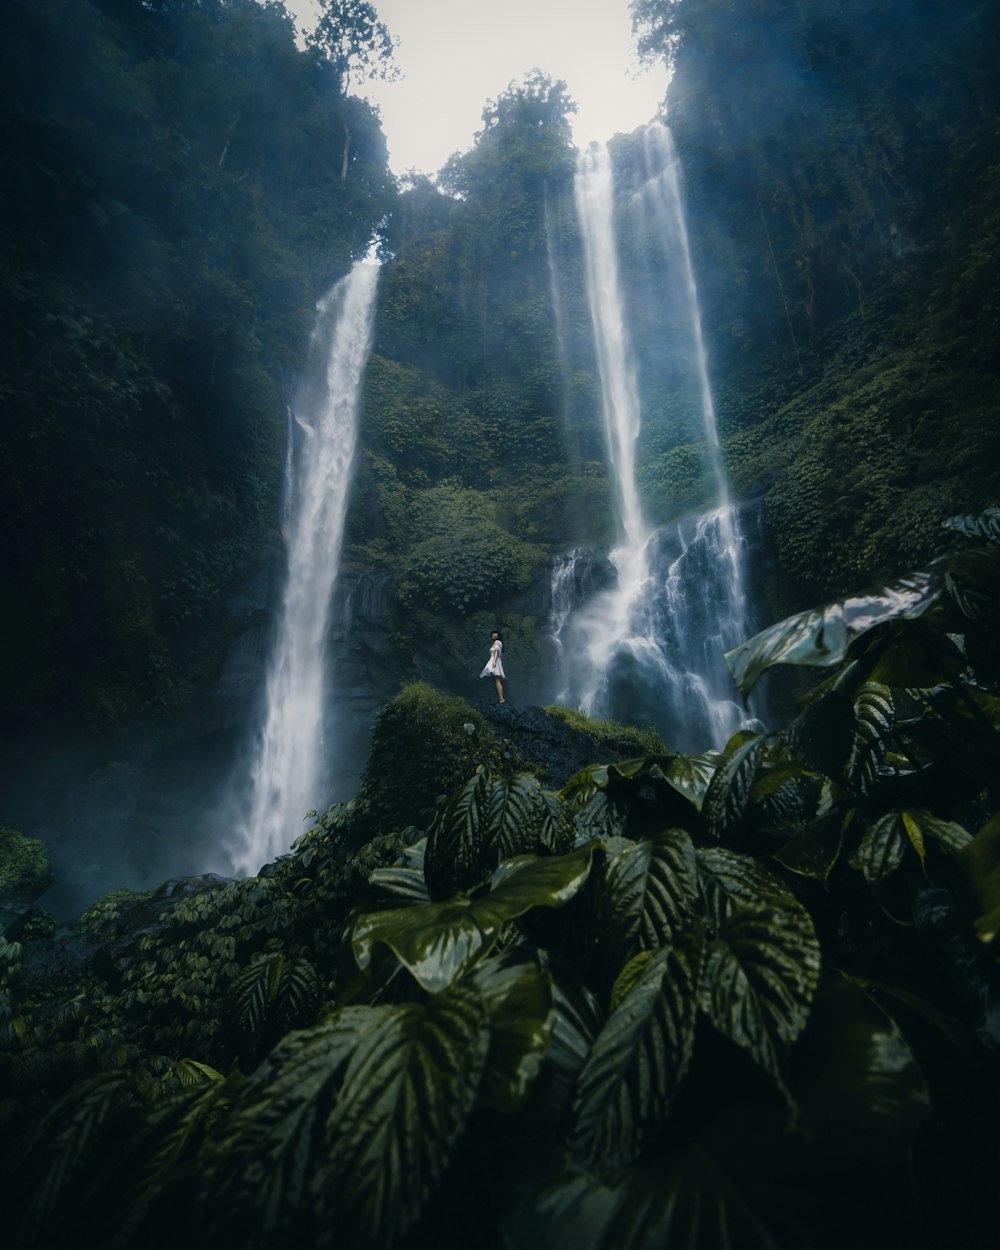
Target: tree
[350,38]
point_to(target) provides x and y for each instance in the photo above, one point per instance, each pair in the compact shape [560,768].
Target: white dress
[494,666]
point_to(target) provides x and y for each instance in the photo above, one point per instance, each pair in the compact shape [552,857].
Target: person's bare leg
[500,689]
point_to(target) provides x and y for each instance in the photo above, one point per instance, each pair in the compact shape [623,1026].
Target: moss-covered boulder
[24,868]
[424,744]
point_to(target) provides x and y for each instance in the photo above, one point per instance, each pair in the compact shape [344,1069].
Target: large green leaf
[690,1203]
[986,525]
[881,849]
[406,879]
[81,1138]
[761,971]
[438,942]
[813,851]
[599,817]
[457,854]
[923,827]
[260,1163]
[517,812]
[981,861]
[275,994]
[648,892]
[577,1019]
[726,799]
[729,880]
[487,821]
[516,989]
[690,775]
[972,584]
[819,638]
[407,1093]
[170,1140]
[855,1075]
[875,715]
[640,1056]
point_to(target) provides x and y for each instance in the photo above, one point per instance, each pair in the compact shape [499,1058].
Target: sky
[454,55]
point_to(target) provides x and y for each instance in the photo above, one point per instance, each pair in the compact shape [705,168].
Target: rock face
[542,740]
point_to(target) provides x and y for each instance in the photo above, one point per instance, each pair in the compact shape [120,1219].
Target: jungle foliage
[840,180]
[731,999]
[165,231]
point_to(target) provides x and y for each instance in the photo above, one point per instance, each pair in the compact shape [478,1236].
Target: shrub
[24,868]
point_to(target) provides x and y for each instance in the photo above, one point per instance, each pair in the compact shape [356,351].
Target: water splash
[286,774]
[649,649]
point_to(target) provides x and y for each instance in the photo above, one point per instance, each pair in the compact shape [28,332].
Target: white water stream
[650,647]
[288,762]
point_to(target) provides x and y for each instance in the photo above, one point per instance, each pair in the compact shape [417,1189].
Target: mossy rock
[24,868]
[609,735]
[424,744]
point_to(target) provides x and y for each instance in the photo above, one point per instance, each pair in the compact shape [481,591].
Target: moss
[424,744]
[102,916]
[609,734]
[24,868]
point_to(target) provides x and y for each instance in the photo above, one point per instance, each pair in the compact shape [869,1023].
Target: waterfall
[286,774]
[664,190]
[649,648]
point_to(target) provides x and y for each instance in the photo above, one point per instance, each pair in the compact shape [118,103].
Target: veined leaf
[439,942]
[555,831]
[584,784]
[729,790]
[173,1136]
[986,525]
[875,713]
[259,1165]
[640,1056]
[406,879]
[690,775]
[729,880]
[946,833]
[598,818]
[407,1093]
[275,994]
[516,814]
[761,972]
[820,637]
[880,851]
[82,1133]
[577,1019]
[647,893]
[516,989]
[456,856]
[691,1204]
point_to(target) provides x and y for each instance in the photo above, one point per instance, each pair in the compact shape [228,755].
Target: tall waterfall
[650,647]
[286,775]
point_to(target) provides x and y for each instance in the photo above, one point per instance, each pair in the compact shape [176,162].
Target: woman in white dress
[494,665]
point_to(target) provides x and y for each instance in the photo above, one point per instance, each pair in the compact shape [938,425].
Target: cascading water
[650,648]
[286,775]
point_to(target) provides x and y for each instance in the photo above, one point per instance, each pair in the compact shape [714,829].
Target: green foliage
[424,743]
[607,735]
[164,234]
[24,867]
[101,918]
[619,1011]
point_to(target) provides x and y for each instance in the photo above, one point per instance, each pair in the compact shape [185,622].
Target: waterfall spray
[286,775]
[650,648]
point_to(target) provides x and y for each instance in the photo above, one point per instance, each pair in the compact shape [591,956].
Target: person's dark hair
[498,634]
